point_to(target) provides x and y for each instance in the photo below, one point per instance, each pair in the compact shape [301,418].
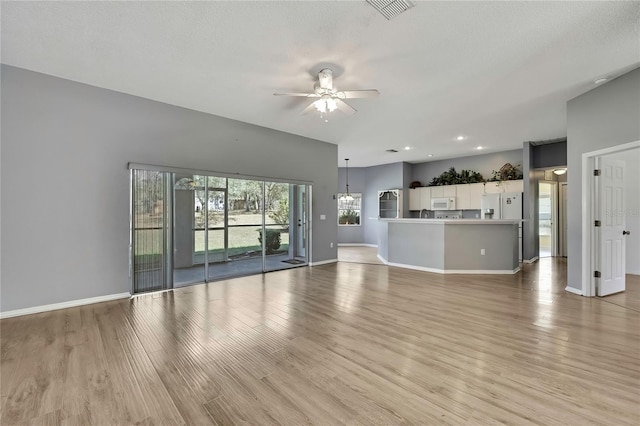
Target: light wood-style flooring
[359,254]
[343,343]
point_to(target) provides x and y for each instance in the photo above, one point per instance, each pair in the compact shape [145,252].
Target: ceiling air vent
[391,150]
[390,8]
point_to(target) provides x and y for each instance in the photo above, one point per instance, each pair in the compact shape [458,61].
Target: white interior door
[611,215]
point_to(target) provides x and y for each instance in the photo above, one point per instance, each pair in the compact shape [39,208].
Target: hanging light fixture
[325,105]
[347,196]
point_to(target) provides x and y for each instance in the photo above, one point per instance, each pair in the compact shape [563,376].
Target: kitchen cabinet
[476,190]
[420,198]
[414,199]
[513,186]
[493,187]
[425,198]
[462,197]
[390,204]
[443,191]
[468,196]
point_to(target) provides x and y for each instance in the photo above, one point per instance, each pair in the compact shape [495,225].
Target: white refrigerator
[507,205]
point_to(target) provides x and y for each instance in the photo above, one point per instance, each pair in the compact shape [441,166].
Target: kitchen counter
[456,221]
[451,246]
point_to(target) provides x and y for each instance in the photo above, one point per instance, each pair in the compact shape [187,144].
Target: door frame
[562,219]
[590,197]
[553,200]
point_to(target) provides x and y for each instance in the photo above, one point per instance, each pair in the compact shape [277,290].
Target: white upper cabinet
[462,196]
[493,187]
[414,199]
[425,198]
[420,198]
[475,195]
[513,186]
[468,196]
[443,191]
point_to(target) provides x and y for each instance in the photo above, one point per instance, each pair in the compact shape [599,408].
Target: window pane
[349,208]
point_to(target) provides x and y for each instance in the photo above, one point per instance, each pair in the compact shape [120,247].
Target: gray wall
[65,183]
[607,116]
[485,164]
[379,178]
[549,155]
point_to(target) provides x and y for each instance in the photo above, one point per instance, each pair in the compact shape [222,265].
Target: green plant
[280,215]
[272,242]
[349,217]
[506,172]
[452,177]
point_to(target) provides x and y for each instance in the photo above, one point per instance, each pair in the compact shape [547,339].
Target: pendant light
[347,196]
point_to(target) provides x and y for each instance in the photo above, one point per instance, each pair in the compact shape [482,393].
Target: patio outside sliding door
[189,228]
[150,230]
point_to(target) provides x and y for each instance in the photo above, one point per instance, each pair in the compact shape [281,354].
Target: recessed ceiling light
[460,138]
[429,155]
[479,147]
[408,148]
[600,80]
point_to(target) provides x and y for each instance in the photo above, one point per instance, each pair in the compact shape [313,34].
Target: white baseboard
[357,245]
[573,290]
[63,305]
[532,260]
[323,262]
[457,271]
[383,260]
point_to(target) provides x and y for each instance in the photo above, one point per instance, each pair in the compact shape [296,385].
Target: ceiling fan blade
[352,94]
[345,107]
[305,95]
[309,109]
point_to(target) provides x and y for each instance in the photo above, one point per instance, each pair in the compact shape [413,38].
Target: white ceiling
[499,73]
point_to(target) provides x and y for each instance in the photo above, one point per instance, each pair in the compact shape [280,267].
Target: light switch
[323,217]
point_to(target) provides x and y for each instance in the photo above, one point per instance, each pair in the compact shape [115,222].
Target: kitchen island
[450,246]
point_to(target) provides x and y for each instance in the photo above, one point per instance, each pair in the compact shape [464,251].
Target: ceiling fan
[331,98]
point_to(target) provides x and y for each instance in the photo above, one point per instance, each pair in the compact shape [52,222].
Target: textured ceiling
[499,73]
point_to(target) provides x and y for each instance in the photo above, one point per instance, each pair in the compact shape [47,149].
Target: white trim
[532,260]
[456,271]
[383,260]
[573,290]
[356,245]
[588,234]
[323,262]
[63,305]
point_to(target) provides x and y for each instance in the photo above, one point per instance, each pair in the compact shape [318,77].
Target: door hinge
[596,172]
[597,223]
[596,274]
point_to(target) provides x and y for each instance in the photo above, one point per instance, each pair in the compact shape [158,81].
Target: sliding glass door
[190,228]
[150,230]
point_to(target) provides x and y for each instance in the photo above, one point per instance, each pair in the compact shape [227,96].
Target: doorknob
[626,232]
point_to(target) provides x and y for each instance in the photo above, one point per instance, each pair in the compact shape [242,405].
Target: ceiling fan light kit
[331,99]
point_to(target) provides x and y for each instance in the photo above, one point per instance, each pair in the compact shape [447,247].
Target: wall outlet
[331,245]
[481,252]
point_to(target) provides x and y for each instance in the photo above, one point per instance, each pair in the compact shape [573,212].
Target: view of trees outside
[245,199]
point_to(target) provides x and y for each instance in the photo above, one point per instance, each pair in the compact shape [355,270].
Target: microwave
[448,203]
